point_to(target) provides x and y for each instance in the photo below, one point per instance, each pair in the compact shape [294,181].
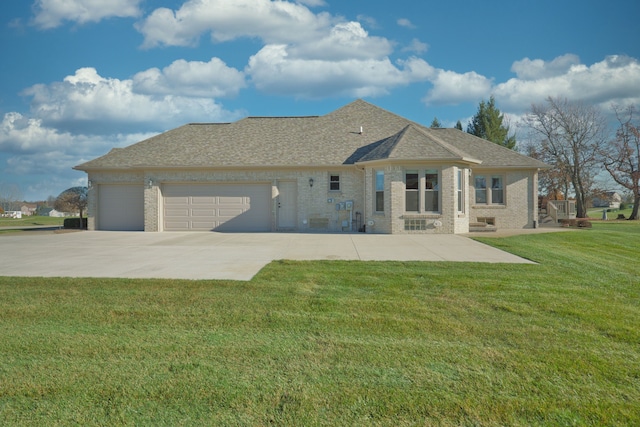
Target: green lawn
[338,343]
[26,221]
[596,213]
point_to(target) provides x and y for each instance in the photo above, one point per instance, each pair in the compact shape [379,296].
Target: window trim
[488,189]
[422,190]
[377,191]
[460,194]
[412,190]
[336,182]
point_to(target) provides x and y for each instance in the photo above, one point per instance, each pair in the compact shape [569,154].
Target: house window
[412,193]
[422,191]
[481,189]
[497,191]
[379,191]
[334,182]
[431,190]
[493,194]
[460,191]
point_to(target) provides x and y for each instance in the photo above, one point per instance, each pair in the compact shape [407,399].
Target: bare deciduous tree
[10,196]
[621,156]
[570,134]
[71,200]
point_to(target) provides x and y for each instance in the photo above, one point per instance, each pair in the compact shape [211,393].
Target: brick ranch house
[359,168]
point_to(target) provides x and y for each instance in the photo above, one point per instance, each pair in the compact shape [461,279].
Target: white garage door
[120,207]
[217,207]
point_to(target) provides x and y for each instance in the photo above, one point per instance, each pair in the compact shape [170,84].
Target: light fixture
[89,183]
[310,182]
[150,183]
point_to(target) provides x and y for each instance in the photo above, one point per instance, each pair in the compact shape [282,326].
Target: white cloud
[450,87]
[616,79]
[416,46]
[312,3]
[89,103]
[273,22]
[52,13]
[194,79]
[369,21]
[273,71]
[527,69]
[347,40]
[404,22]
[25,136]
[46,156]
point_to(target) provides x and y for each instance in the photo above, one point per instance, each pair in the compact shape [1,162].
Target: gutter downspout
[364,199]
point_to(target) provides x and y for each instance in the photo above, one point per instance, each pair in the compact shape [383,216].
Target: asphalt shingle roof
[329,140]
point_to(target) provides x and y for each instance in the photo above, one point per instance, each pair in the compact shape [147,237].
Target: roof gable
[414,142]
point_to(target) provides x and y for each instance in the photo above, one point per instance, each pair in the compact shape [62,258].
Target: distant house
[28,209]
[12,214]
[359,168]
[609,199]
[43,211]
[57,214]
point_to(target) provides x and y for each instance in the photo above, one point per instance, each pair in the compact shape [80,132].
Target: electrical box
[337,206]
[349,205]
[330,200]
[342,206]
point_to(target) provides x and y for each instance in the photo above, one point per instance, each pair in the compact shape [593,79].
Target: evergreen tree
[436,123]
[488,124]
[458,125]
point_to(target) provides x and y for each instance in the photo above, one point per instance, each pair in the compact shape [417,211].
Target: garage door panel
[206,213]
[230,213]
[218,207]
[174,212]
[197,225]
[203,200]
[177,201]
[180,225]
[233,200]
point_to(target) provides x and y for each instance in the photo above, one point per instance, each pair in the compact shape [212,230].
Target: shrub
[75,223]
[584,223]
[579,222]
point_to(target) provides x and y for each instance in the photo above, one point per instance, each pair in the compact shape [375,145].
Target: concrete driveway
[235,256]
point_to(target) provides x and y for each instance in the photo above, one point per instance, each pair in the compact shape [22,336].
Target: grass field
[596,213]
[338,343]
[27,221]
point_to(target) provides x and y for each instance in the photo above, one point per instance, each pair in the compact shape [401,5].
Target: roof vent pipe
[361,130]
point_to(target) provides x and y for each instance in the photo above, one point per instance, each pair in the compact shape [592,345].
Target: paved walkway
[236,256]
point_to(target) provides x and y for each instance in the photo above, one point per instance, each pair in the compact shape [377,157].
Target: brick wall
[316,205]
[519,210]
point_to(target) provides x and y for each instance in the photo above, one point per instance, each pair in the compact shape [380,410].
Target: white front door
[287,212]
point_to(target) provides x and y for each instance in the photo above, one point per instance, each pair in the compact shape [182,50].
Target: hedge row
[75,223]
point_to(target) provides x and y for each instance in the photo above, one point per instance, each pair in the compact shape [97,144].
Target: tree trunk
[636,202]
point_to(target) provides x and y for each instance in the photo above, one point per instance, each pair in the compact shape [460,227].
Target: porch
[557,210]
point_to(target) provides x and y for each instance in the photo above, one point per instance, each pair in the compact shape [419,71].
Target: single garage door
[120,207]
[217,207]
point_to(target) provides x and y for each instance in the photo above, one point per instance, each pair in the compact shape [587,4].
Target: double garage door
[216,207]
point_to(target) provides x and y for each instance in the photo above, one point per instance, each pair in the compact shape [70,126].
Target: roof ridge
[281,117]
[427,132]
[396,138]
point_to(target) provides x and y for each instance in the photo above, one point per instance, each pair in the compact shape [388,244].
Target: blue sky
[80,77]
